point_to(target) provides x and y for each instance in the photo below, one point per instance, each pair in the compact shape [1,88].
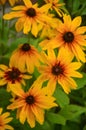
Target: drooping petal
[51,86]
[20,24]
[23,115]
[30,117]
[34,29]
[39,113]
[27,26]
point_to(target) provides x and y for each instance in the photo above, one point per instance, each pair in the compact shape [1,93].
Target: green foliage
[61,98]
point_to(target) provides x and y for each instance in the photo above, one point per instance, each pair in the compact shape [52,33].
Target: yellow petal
[74,65]
[29,65]
[80,55]
[3,67]
[51,55]
[76,22]
[20,7]
[64,85]
[12,15]
[75,74]
[45,8]
[67,20]
[27,3]
[6,114]
[27,76]
[34,29]
[16,88]
[7,120]
[30,117]
[19,24]
[3,82]
[39,114]
[16,104]
[51,86]
[65,55]
[8,127]
[27,26]
[81,30]
[23,115]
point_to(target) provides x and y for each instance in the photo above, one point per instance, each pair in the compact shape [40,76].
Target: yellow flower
[12,76]
[4,120]
[30,16]
[55,5]
[70,37]
[30,105]
[25,57]
[59,70]
[12,2]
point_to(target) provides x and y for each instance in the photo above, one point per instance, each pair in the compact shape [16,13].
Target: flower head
[25,57]
[30,105]
[59,69]
[12,76]
[55,5]
[30,16]
[70,37]
[4,120]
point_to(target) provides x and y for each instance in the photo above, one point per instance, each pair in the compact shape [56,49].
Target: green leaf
[76,4]
[61,98]
[81,82]
[56,118]
[72,111]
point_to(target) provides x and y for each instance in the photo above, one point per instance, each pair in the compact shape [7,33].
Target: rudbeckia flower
[30,105]
[30,16]
[25,57]
[59,70]
[12,76]
[70,37]
[56,5]
[4,120]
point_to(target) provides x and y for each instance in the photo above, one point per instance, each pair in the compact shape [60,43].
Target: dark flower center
[68,37]
[30,99]
[26,47]
[57,69]
[13,75]
[31,12]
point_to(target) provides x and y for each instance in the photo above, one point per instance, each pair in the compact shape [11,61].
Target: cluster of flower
[62,54]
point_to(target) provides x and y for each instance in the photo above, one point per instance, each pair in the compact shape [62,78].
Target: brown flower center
[68,37]
[13,75]
[26,47]
[57,69]
[31,12]
[30,100]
